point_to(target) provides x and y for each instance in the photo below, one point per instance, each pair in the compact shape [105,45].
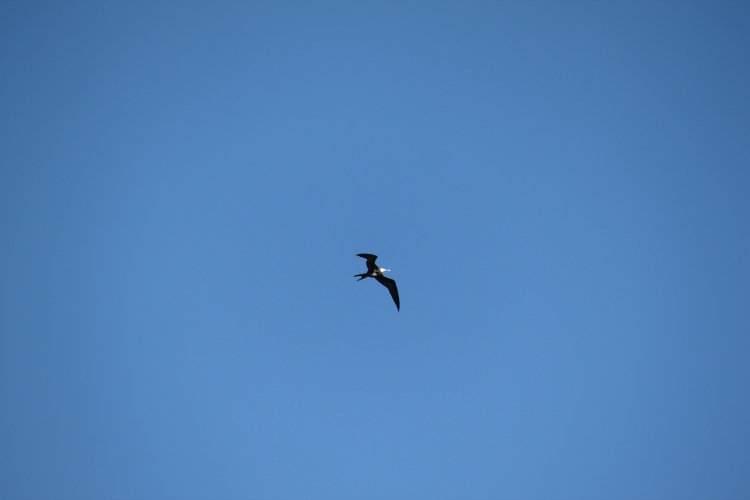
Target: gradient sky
[562,192]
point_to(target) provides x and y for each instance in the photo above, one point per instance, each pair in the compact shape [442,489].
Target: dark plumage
[376,272]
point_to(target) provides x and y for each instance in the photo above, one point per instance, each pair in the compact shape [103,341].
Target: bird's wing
[370,260]
[391,286]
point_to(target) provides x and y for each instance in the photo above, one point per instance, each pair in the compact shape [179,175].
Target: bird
[376,272]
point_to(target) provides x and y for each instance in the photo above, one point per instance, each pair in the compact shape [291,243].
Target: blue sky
[561,190]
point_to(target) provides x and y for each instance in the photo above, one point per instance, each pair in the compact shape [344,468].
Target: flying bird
[376,272]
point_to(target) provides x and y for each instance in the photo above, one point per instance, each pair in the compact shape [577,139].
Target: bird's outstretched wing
[370,260]
[391,286]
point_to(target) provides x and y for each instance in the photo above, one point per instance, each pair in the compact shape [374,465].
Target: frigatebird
[376,272]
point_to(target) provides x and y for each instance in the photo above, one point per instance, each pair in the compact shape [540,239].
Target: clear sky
[561,190]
